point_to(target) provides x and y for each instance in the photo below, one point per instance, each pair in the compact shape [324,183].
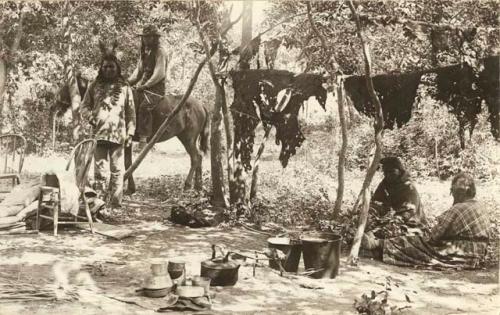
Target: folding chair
[50,196]
[12,148]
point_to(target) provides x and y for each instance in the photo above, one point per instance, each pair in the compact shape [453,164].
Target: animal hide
[396,92]
[460,87]
[256,100]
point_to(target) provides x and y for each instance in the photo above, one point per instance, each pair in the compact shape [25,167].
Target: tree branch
[364,196]
[340,101]
[387,20]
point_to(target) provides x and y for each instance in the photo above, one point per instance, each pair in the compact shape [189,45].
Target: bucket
[322,252]
[291,249]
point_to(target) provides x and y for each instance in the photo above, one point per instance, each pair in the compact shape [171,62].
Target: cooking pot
[221,270]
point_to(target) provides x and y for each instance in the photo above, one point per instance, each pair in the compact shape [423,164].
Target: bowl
[203,282]
[156,293]
[190,291]
[158,282]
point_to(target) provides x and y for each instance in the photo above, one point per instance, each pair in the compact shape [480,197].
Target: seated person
[396,197]
[459,239]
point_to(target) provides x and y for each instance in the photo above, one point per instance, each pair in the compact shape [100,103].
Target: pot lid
[219,264]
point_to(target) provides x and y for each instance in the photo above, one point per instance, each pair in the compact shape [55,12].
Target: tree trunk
[217,170]
[3,86]
[228,123]
[364,196]
[255,173]
[69,73]
[238,188]
[343,150]
[6,59]
[246,35]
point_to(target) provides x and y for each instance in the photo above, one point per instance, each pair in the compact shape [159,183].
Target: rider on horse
[148,76]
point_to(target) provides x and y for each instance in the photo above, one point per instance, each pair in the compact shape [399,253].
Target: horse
[191,124]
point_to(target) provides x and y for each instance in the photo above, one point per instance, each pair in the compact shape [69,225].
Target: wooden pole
[343,150]
[379,124]
[342,154]
[54,122]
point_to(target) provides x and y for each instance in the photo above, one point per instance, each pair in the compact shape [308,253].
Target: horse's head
[63,97]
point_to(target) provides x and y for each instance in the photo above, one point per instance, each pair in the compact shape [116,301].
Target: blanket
[65,181]
[19,198]
[417,251]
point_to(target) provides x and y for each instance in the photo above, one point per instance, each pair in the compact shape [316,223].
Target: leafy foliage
[395,47]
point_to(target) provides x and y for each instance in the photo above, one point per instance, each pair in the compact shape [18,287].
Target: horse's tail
[205,133]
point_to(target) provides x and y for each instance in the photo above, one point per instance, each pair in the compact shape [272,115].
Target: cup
[177,271]
[159,267]
[203,282]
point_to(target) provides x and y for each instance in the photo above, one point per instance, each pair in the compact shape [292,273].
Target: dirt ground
[105,271]
[116,268]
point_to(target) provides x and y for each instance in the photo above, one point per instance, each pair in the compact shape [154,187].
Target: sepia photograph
[249,157]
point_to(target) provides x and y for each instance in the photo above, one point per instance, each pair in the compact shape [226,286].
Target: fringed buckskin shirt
[111,111]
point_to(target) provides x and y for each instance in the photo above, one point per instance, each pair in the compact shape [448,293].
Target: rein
[147,98]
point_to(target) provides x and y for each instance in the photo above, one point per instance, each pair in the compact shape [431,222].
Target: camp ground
[244,157]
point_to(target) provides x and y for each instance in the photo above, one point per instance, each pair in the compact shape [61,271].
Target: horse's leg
[461,134]
[196,158]
[128,161]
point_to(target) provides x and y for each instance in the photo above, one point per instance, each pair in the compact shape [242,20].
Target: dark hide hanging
[489,85]
[396,92]
[456,87]
[287,129]
[258,89]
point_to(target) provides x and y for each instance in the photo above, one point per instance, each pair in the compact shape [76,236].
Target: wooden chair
[50,196]
[12,149]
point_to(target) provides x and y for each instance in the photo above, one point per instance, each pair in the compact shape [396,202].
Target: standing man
[109,106]
[149,75]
